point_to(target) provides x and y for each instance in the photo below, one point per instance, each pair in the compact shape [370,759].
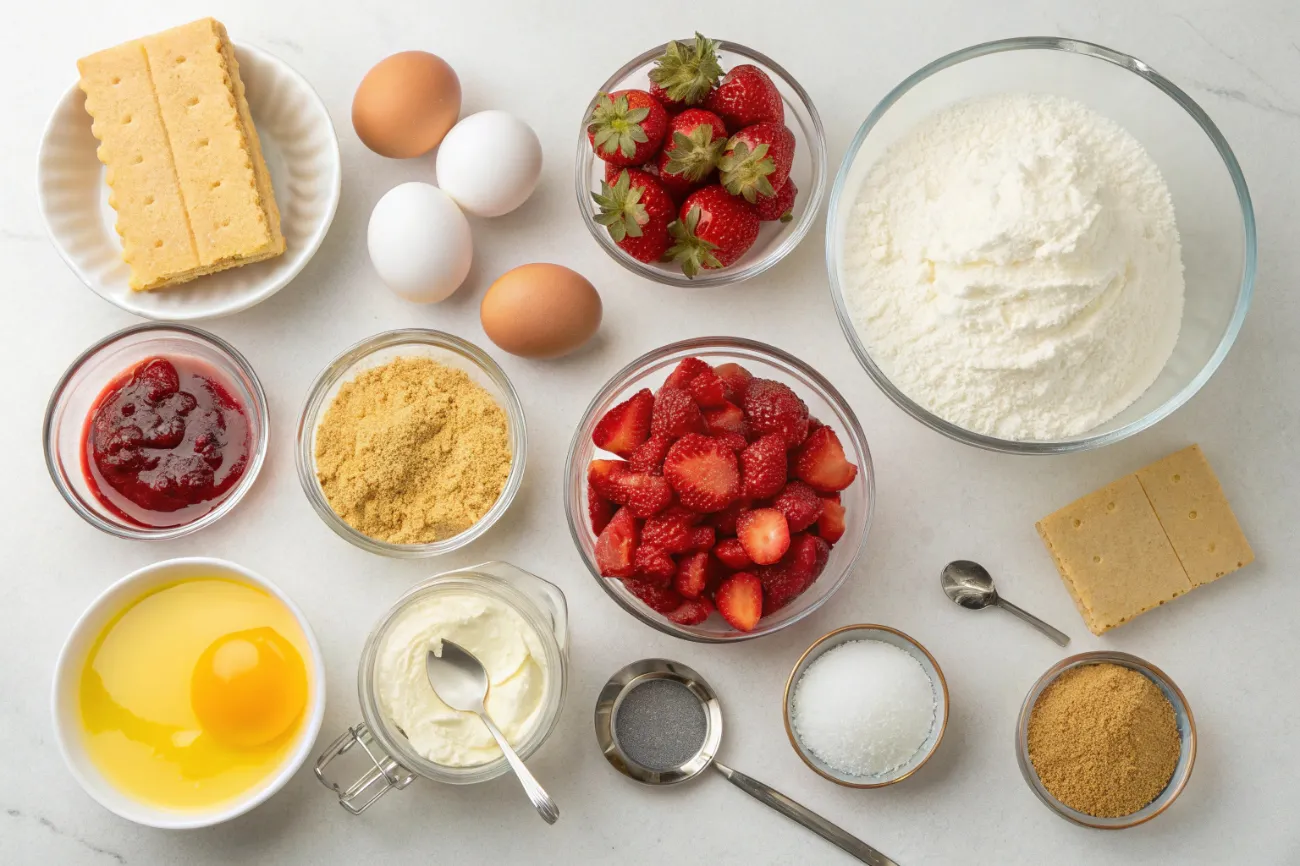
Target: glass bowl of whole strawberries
[700,163]
[719,489]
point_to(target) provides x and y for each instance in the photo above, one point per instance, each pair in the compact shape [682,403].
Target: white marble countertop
[1231,647]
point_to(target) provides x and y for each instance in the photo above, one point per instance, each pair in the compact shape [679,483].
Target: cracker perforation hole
[180,58]
[1077,523]
[148,199]
[192,101]
[216,183]
[1191,515]
[157,244]
[203,142]
[126,120]
[137,159]
[1177,478]
[115,80]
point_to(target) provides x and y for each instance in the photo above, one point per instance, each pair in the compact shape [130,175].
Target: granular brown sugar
[412,452]
[1103,740]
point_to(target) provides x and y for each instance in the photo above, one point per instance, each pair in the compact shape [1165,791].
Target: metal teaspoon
[461,682]
[971,586]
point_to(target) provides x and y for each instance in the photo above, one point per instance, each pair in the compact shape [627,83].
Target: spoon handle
[805,816]
[542,801]
[1060,637]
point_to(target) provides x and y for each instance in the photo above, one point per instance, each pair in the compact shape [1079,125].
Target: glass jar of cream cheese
[515,623]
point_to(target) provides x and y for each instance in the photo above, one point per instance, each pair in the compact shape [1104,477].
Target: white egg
[419,242]
[489,163]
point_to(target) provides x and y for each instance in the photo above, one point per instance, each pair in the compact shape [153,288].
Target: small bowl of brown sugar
[411,443]
[1106,740]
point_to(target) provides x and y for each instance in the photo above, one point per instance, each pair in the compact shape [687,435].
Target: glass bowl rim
[257,457]
[314,407]
[1187,746]
[724,276]
[618,382]
[1083,442]
[398,747]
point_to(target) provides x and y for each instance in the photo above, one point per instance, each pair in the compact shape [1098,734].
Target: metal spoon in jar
[461,682]
[971,586]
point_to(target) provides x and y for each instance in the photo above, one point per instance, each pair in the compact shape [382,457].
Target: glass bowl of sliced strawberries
[719,489]
[700,163]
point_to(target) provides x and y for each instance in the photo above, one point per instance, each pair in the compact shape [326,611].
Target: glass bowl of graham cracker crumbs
[1106,740]
[411,443]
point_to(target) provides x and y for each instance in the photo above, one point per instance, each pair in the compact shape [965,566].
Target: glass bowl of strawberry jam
[156,431]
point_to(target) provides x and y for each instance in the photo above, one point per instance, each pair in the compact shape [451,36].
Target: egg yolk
[249,687]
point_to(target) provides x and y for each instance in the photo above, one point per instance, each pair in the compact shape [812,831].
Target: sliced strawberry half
[627,425]
[763,467]
[764,534]
[603,476]
[734,442]
[735,380]
[703,472]
[675,413]
[649,456]
[820,461]
[692,575]
[616,545]
[653,565]
[731,553]
[727,418]
[691,611]
[789,578]
[830,524]
[771,407]
[686,370]
[663,599]
[740,600]
[708,390]
[599,510]
[644,495]
[800,504]
[671,531]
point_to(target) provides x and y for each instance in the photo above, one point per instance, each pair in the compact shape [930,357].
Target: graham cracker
[228,206]
[1113,555]
[143,187]
[1188,500]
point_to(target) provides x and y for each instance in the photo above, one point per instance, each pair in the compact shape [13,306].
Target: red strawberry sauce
[165,442]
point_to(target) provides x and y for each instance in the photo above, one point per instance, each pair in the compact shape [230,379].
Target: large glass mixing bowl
[1211,203]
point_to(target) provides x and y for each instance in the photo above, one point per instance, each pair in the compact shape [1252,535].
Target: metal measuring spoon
[971,586]
[705,754]
[461,682]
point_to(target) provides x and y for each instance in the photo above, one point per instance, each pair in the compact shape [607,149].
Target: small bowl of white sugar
[866,706]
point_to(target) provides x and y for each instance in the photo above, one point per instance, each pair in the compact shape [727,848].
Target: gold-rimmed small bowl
[893,637]
[1182,716]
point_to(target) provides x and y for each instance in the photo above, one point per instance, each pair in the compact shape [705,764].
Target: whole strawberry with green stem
[757,161]
[692,148]
[626,127]
[746,96]
[713,229]
[686,73]
[636,210]
[780,207]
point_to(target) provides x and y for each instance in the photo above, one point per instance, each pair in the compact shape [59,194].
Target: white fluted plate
[301,151]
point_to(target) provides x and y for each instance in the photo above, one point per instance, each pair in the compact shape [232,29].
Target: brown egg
[540,311]
[406,104]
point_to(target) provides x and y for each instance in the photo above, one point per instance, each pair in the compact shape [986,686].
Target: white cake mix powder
[1013,266]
